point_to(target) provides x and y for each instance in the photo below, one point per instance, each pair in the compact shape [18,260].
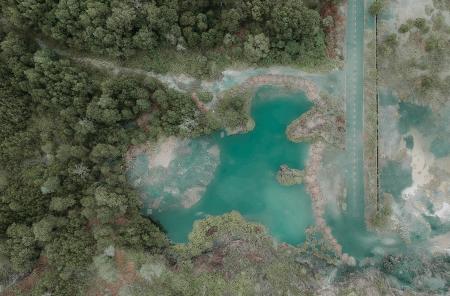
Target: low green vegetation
[382,216]
[227,255]
[288,176]
[418,59]
[376,7]
[442,4]
[194,62]
[325,123]
[205,97]
[233,109]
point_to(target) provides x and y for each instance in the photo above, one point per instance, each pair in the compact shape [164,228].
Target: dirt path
[27,283]
[177,82]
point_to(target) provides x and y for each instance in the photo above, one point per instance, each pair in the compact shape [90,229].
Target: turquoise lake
[245,178]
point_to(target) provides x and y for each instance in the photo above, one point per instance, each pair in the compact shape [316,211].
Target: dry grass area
[370,127]
[335,34]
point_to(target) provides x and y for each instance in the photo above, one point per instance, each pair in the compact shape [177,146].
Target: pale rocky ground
[164,171]
[431,176]
[164,152]
[406,9]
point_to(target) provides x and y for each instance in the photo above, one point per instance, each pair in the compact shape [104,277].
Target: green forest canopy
[123,27]
[65,128]
[62,173]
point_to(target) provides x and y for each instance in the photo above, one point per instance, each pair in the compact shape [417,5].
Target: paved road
[354,95]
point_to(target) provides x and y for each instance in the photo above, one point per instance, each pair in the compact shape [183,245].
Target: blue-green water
[435,126]
[414,116]
[245,179]
[440,146]
[395,177]
[387,98]
[409,142]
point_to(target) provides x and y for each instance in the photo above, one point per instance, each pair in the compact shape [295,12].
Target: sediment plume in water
[172,173]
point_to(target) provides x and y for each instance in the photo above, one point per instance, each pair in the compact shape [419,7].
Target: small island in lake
[288,176]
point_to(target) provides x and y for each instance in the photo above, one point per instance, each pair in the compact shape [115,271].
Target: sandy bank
[160,154]
[444,213]
[318,200]
[192,196]
[440,244]
[163,153]
[247,87]
[177,173]
[421,160]
[310,89]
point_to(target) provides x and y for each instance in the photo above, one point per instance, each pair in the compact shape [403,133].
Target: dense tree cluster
[233,110]
[64,197]
[276,30]
[63,191]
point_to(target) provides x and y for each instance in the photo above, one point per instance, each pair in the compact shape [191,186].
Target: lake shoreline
[316,149]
